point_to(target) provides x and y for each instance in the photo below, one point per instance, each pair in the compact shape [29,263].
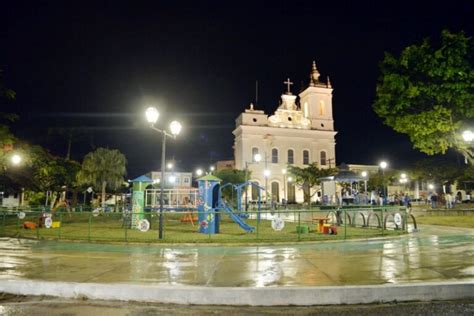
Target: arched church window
[321,108]
[275,191]
[254,153]
[322,158]
[291,156]
[274,155]
[305,157]
[291,192]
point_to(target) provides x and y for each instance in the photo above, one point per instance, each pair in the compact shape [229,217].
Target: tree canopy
[427,93]
[233,176]
[309,177]
[6,136]
[103,168]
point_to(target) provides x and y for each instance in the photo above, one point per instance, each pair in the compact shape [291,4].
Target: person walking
[449,200]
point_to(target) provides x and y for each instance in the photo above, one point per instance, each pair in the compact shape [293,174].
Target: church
[300,132]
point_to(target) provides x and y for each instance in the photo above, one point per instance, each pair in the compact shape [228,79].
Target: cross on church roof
[288,83]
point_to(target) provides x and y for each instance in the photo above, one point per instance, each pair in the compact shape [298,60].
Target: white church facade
[300,132]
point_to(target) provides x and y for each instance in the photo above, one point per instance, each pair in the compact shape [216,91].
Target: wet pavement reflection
[432,254]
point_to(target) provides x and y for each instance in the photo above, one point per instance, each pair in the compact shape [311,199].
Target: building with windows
[300,132]
[174,180]
[225,164]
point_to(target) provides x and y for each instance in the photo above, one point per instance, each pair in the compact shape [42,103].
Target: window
[321,108]
[275,192]
[254,153]
[291,192]
[305,157]
[291,156]
[186,180]
[274,155]
[323,158]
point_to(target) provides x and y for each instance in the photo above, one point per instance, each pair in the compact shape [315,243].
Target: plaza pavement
[433,264]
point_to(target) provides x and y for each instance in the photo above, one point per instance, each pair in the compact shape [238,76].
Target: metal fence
[182,227]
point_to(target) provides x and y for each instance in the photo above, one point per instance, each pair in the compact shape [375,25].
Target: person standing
[434,200]
[449,200]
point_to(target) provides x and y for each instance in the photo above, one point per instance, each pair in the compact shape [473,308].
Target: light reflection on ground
[432,254]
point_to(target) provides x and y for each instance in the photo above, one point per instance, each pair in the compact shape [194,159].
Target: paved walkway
[433,254]
[433,264]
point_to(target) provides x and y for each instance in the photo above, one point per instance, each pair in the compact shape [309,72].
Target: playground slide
[237,219]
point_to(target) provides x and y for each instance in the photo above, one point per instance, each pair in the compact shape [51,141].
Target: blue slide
[237,219]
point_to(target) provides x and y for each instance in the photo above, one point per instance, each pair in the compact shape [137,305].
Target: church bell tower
[316,102]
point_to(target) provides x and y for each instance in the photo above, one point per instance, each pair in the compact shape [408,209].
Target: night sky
[96,66]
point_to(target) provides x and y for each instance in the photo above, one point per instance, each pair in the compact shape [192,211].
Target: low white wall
[201,295]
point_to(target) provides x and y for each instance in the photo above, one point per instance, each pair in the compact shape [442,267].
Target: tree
[436,169]
[377,181]
[42,172]
[69,134]
[4,91]
[233,176]
[7,140]
[103,168]
[6,137]
[309,177]
[427,93]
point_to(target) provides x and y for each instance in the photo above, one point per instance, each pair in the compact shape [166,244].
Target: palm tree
[103,168]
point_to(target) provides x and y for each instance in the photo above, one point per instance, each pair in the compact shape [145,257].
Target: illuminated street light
[152,116]
[383,165]
[266,173]
[257,157]
[468,136]
[175,128]
[199,172]
[212,168]
[169,165]
[430,186]
[16,159]
[172,179]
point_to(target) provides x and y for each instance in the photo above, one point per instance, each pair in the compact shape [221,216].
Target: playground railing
[183,226]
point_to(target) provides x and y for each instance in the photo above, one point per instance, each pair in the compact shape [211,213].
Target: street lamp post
[255,159]
[16,160]
[468,137]
[152,115]
[383,165]
[364,175]
[266,174]
[284,186]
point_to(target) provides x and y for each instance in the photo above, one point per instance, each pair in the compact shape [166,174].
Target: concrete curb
[269,296]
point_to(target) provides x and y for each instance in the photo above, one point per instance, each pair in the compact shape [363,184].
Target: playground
[109,227]
[211,220]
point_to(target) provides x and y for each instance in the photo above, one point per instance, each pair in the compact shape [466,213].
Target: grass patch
[110,227]
[454,221]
